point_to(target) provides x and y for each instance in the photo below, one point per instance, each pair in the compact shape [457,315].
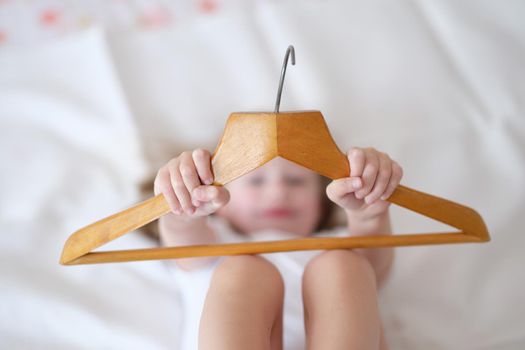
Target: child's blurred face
[279,195]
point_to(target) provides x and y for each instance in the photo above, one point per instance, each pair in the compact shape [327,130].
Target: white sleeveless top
[194,284]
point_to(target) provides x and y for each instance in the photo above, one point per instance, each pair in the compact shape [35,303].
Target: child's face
[279,195]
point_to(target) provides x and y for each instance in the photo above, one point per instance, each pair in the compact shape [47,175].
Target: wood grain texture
[249,140]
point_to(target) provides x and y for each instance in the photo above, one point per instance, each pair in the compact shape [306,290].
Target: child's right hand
[186,182]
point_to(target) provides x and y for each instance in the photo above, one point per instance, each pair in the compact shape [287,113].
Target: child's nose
[279,189]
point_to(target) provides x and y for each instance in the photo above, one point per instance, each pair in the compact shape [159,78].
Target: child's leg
[243,307]
[340,302]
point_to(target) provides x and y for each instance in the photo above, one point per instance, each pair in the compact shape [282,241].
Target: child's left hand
[376,177]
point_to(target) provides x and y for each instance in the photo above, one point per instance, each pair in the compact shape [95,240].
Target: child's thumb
[217,195]
[339,188]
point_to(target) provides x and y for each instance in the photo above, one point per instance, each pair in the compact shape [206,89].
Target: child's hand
[375,177]
[186,180]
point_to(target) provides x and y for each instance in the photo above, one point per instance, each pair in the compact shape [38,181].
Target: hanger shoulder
[304,138]
[454,214]
[103,231]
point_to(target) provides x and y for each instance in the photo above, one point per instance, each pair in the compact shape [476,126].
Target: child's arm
[380,258]
[176,232]
[373,178]
[185,182]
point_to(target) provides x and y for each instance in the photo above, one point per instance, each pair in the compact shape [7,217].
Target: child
[243,307]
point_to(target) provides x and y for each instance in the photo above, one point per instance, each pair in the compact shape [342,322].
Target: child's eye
[255,181]
[295,181]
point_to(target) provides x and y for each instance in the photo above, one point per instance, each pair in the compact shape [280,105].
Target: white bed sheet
[440,86]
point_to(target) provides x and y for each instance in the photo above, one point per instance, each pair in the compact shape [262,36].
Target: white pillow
[70,155]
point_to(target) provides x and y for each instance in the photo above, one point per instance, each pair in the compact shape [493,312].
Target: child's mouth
[278,213]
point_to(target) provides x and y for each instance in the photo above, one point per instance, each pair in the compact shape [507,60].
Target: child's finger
[189,172]
[383,178]
[356,158]
[338,188]
[179,187]
[157,183]
[395,179]
[162,184]
[202,160]
[221,198]
[369,174]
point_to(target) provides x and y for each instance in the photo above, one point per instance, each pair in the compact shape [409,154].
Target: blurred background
[96,95]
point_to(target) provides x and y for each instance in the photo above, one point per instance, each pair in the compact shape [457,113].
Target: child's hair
[329,219]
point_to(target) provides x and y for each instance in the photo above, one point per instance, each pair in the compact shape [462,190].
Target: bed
[87,117]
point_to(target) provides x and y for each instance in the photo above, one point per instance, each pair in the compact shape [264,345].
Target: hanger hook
[289,50]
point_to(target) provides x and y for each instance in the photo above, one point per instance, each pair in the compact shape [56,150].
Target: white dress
[194,284]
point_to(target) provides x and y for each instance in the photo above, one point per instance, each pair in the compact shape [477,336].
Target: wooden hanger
[249,140]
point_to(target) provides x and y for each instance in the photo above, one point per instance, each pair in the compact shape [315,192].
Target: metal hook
[289,50]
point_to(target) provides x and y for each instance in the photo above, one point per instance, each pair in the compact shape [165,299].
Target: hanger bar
[273,247]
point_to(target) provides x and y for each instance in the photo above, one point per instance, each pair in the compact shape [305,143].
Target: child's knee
[248,271]
[338,264]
